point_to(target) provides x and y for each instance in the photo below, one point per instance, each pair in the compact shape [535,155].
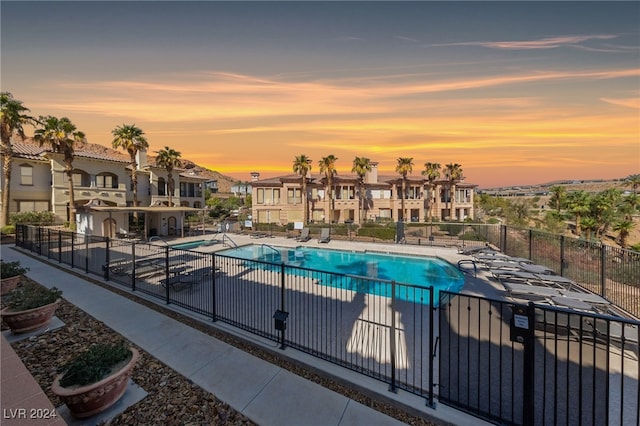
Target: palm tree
[431,172]
[634,182]
[328,167]
[132,140]
[302,166]
[12,119]
[169,159]
[361,166]
[453,173]
[578,204]
[404,167]
[623,228]
[558,197]
[62,136]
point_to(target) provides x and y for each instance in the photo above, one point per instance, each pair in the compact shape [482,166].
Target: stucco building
[279,199]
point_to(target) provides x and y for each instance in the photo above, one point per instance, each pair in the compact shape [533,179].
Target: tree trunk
[453,201]
[72,201]
[305,216]
[6,185]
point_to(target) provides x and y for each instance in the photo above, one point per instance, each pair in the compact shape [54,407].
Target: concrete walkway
[267,394]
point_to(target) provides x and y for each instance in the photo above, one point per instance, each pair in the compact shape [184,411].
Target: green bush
[11,269]
[8,229]
[32,218]
[31,295]
[93,365]
[381,233]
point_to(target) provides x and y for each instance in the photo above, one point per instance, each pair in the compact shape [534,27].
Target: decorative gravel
[172,398]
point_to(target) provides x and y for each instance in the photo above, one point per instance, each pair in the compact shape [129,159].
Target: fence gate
[568,367]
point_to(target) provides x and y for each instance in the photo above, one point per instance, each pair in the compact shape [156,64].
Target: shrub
[379,233]
[8,229]
[32,218]
[11,269]
[30,296]
[93,365]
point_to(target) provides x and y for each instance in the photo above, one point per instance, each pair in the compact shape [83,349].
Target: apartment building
[103,190]
[279,199]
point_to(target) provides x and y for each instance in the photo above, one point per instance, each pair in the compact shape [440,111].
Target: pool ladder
[231,243]
[468,262]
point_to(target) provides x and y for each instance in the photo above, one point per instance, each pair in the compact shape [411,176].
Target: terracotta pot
[8,284]
[86,401]
[29,320]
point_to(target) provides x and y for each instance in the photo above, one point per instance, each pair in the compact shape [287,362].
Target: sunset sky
[515,92]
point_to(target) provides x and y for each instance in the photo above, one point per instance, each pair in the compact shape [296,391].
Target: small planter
[8,284]
[29,319]
[89,400]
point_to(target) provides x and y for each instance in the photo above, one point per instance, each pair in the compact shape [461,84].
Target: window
[80,178]
[294,196]
[260,196]
[106,181]
[276,196]
[162,188]
[26,175]
[33,206]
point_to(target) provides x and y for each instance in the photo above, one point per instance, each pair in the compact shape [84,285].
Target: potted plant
[30,307]
[10,275]
[95,379]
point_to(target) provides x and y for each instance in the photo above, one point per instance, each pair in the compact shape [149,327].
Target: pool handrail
[225,237]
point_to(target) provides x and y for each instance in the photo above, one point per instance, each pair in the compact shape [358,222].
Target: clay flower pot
[89,400]
[30,319]
[8,284]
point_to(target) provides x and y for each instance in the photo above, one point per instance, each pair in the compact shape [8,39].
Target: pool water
[188,246]
[419,271]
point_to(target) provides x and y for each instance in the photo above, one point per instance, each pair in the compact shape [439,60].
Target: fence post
[432,351]
[166,274]
[59,246]
[86,253]
[213,287]
[531,244]
[603,270]
[48,243]
[528,374]
[503,238]
[73,249]
[563,263]
[282,280]
[106,259]
[392,338]
[133,265]
[39,241]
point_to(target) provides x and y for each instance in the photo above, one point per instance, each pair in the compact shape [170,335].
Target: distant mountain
[224,182]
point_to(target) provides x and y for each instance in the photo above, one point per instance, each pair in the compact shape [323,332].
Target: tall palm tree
[361,166]
[302,166]
[431,172]
[131,139]
[62,136]
[12,119]
[169,159]
[453,173]
[404,167]
[578,203]
[328,167]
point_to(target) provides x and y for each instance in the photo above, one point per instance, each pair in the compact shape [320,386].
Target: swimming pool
[188,246]
[406,269]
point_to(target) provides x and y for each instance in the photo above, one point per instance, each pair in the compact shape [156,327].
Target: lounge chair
[570,299]
[325,235]
[304,235]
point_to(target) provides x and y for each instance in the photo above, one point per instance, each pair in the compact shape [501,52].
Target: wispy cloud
[544,43]
[628,102]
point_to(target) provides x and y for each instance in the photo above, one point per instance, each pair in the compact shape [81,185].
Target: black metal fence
[567,368]
[535,365]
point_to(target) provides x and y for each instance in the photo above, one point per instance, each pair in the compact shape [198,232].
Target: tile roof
[31,149]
